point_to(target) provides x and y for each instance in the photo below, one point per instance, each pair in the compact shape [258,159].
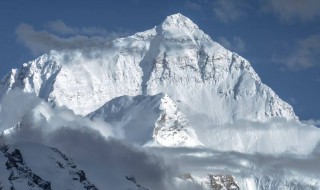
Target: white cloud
[289,10]
[305,54]
[223,10]
[59,36]
[60,27]
[262,167]
[236,44]
[312,122]
[105,160]
[230,10]
[194,5]
[233,10]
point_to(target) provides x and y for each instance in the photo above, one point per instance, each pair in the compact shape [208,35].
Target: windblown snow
[170,90]
[148,120]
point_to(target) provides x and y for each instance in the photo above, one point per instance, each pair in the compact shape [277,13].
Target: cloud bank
[106,161]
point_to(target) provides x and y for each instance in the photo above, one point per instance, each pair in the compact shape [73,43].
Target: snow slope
[175,58]
[158,120]
[35,166]
[148,120]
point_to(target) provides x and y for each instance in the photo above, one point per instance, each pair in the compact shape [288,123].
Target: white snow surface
[175,57]
[148,120]
[47,163]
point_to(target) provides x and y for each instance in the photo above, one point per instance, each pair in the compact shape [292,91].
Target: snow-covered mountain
[39,167]
[167,89]
[34,166]
[148,120]
[175,57]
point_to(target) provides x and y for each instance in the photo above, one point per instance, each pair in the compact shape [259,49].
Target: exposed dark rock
[19,170]
[219,182]
[134,181]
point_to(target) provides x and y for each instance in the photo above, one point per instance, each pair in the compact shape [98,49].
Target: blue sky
[281,38]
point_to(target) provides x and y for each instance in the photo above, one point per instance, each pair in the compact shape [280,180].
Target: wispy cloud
[233,10]
[59,36]
[194,5]
[292,100]
[235,44]
[60,27]
[315,122]
[288,10]
[304,54]
[230,10]
[223,10]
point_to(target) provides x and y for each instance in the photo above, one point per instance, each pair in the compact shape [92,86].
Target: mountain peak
[178,21]
[175,57]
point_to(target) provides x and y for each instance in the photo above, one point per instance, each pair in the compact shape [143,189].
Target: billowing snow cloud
[315,122]
[105,160]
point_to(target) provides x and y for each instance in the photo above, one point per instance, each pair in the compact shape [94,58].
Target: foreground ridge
[18,174]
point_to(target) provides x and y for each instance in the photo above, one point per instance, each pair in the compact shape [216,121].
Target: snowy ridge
[171,128]
[258,182]
[148,120]
[34,166]
[211,181]
[175,58]
[35,77]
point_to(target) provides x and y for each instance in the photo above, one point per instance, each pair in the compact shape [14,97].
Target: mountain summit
[175,57]
[178,21]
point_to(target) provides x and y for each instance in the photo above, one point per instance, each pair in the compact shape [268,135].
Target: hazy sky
[281,38]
